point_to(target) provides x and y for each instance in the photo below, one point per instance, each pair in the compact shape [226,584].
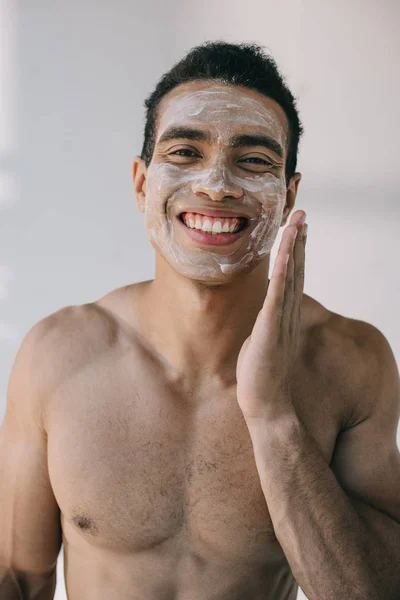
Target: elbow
[9,586]
[17,585]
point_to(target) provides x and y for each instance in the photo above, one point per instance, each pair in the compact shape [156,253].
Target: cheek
[270,195]
[163,184]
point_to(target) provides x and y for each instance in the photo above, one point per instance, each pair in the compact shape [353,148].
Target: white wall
[73,79]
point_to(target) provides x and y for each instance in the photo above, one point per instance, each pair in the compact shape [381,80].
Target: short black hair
[243,64]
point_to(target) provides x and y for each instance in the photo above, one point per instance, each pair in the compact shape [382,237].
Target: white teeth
[225,228]
[207,225]
[196,222]
[217,227]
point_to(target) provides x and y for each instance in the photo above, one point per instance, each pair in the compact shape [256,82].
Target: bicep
[29,515]
[366,459]
[369,467]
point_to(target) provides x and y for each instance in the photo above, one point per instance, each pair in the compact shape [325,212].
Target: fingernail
[303,218]
[305,228]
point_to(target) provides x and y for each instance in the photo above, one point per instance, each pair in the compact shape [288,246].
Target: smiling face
[218,147]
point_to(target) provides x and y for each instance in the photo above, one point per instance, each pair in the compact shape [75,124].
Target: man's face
[210,164]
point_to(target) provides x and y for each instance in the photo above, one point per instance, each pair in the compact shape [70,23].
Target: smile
[210,231]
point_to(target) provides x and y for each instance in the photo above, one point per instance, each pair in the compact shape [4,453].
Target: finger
[274,304]
[286,323]
[299,273]
[299,270]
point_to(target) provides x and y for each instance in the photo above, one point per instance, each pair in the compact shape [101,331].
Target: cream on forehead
[219,107]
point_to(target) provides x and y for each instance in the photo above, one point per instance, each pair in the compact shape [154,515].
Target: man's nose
[217,183]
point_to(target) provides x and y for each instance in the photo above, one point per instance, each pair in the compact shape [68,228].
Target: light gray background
[73,78]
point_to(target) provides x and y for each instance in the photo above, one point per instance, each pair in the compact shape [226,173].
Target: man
[211,433]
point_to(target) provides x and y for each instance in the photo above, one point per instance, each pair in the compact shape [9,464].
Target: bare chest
[137,464]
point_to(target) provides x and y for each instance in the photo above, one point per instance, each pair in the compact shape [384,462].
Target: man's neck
[200,328]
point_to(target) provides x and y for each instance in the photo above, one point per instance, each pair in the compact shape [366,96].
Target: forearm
[330,551]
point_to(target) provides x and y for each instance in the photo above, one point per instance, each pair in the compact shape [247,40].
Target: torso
[156,480]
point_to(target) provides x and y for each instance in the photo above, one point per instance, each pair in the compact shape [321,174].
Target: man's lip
[219,239]
[214,213]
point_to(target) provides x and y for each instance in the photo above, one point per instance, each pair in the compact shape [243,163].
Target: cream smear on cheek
[171,188]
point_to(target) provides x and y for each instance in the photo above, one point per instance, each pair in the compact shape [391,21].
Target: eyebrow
[236,141]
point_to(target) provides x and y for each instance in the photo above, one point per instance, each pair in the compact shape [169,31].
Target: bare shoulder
[62,343]
[354,355]
[78,337]
[77,334]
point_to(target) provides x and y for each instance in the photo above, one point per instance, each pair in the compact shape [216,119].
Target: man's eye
[184,150]
[257,158]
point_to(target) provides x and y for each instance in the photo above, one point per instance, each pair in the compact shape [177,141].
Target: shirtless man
[174,456]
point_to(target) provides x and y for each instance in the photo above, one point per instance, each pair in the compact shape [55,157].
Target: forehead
[222,107]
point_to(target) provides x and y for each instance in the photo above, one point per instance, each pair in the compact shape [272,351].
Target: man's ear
[139,172]
[290,197]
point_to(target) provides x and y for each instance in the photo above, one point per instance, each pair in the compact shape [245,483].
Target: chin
[214,277]
[210,271]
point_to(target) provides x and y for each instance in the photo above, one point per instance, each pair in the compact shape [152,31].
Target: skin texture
[124,437]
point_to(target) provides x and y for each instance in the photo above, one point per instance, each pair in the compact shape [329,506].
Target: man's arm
[366,460]
[30,530]
[340,542]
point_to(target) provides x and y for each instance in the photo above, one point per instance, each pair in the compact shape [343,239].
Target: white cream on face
[170,188]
